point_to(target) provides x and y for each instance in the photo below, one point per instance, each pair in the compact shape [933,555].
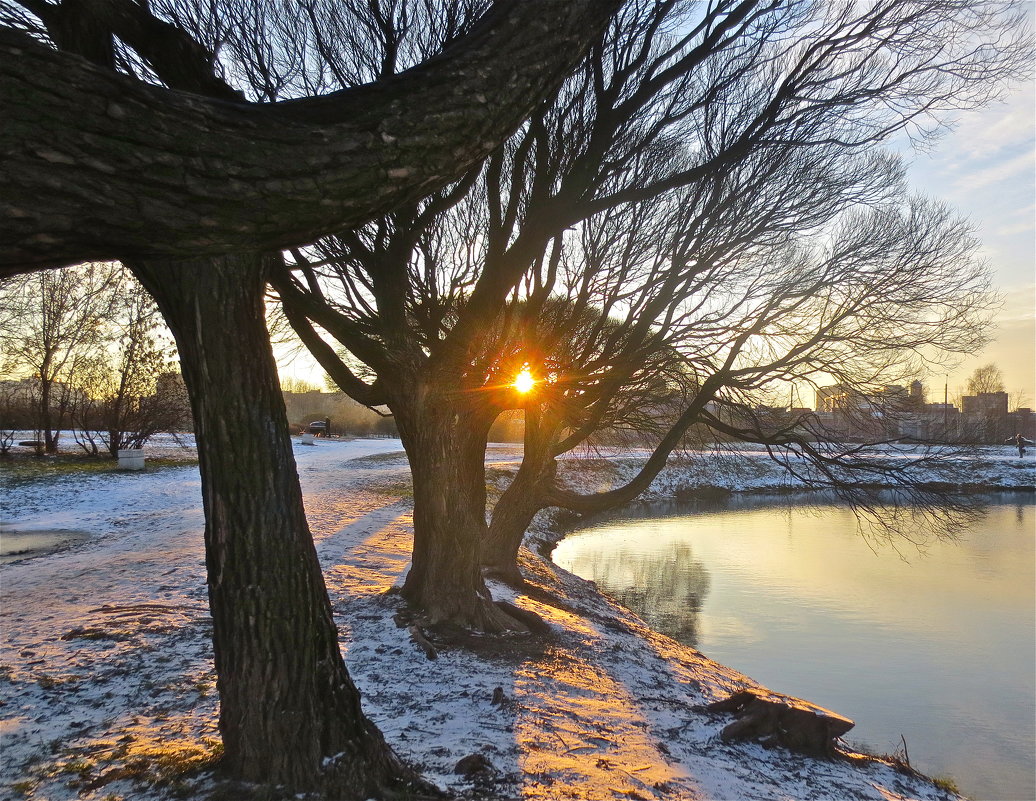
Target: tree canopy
[706,206]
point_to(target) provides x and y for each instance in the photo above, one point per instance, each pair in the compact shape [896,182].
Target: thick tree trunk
[225,176]
[289,713]
[446,445]
[511,517]
[524,497]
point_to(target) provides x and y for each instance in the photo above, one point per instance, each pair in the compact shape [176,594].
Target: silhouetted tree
[53,327]
[226,182]
[987,378]
[128,390]
[709,183]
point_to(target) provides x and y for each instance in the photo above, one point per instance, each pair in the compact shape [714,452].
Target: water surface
[938,646]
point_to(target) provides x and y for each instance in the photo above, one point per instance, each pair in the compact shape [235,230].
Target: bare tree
[987,378]
[14,413]
[125,392]
[709,184]
[289,713]
[860,308]
[53,327]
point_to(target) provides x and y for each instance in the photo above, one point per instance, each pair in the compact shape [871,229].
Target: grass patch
[946,784]
[27,469]
[48,681]
[379,458]
[80,767]
[401,489]
[149,760]
[24,787]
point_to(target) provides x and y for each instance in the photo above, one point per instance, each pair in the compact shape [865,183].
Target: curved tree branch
[360,391]
[101,166]
[600,501]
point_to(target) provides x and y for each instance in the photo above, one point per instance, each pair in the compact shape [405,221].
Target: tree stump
[781,720]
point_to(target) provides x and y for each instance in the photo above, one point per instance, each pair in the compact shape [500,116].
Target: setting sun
[524,382]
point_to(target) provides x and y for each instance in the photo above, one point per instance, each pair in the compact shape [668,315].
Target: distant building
[1022,421]
[889,412]
[917,395]
[984,418]
[989,403]
[839,397]
[933,422]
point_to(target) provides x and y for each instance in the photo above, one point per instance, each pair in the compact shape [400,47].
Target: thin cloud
[1010,169]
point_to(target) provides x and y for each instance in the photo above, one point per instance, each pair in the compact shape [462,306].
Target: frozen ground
[108,683]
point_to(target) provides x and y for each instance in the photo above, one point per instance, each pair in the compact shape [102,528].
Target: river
[935,647]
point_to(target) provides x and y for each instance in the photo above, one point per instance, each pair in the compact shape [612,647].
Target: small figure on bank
[1020,442]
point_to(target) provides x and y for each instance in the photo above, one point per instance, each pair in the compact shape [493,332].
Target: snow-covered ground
[108,686]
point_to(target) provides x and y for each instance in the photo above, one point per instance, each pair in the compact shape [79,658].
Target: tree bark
[526,495]
[289,712]
[50,436]
[445,441]
[511,517]
[183,176]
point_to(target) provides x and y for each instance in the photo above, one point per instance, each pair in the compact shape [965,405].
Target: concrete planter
[131,459]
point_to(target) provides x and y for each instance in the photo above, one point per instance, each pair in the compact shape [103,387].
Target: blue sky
[986,169]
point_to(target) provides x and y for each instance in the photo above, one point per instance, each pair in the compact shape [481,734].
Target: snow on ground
[108,682]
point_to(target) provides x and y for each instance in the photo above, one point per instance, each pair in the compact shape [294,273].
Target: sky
[986,169]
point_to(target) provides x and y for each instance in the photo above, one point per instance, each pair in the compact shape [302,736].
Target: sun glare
[524,382]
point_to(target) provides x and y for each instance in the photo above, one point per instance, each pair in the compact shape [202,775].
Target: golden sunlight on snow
[382,558]
[580,727]
[556,616]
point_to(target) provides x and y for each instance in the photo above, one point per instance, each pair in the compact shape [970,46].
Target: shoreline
[686,480]
[885,633]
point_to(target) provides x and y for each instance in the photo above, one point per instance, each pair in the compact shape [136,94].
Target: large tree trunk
[512,515]
[524,497]
[289,713]
[223,176]
[445,441]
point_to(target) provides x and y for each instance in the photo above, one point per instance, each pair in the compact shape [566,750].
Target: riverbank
[108,682]
[979,469]
[723,471]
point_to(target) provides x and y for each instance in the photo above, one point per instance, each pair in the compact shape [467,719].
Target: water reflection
[937,643]
[666,588]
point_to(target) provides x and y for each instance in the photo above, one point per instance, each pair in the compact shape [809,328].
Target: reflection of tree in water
[666,589]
